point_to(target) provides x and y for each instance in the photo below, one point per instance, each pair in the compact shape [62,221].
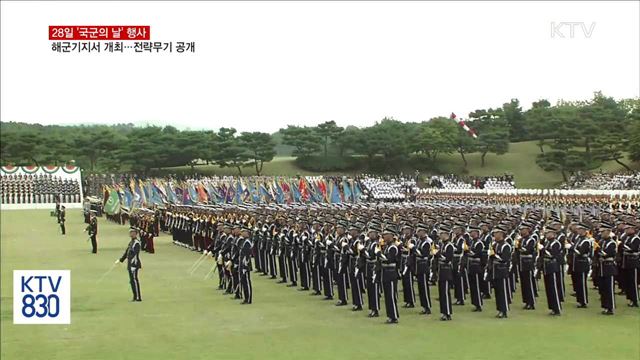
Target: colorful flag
[347,191]
[112,205]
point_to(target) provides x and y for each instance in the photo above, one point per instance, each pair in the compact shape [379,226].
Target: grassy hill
[519,161]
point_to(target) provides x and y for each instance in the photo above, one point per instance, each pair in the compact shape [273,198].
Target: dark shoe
[502,316]
[392,321]
[303,289]
[281,282]
[220,287]
[292,285]
[373,314]
[582,306]
[328,298]
[356,308]
[554,313]
[341,303]
[409,306]
[444,318]
[632,305]
[477,309]
[459,303]
[608,312]
[425,312]
[486,296]
[272,277]
[316,293]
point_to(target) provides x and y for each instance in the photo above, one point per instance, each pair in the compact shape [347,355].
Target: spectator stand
[37,187]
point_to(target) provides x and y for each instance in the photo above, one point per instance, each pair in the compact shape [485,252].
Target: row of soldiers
[38,189]
[477,251]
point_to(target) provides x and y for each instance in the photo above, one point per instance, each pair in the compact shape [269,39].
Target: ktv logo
[41,297]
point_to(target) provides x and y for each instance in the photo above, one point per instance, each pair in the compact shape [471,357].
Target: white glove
[540,247]
[411,245]
[567,246]
[329,242]
[117,261]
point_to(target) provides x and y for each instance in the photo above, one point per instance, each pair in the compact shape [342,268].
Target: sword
[106,273]
[196,264]
[211,272]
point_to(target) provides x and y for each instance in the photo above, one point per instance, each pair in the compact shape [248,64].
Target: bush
[330,163]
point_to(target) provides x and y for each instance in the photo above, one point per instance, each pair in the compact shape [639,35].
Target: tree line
[571,135]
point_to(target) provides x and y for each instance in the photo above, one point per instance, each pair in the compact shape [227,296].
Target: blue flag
[347,191]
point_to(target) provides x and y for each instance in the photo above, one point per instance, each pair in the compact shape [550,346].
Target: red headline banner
[99,32]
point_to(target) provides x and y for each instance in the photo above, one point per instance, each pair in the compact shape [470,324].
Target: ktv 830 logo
[41,297]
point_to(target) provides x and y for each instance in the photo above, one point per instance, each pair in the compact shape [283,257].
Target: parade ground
[182,316]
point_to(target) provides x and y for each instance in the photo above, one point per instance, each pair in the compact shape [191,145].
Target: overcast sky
[263,65]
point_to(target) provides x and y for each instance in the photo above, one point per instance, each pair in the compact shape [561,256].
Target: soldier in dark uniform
[61,218]
[356,268]
[372,274]
[389,260]
[526,247]
[458,272]
[341,247]
[474,267]
[407,263]
[631,262]
[552,263]
[92,230]
[306,248]
[246,248]
[607,269]
[328,261]
[422,253]
[317,257]
[445,255]
[500,260]
[582,264]
[132,255]
[486,239]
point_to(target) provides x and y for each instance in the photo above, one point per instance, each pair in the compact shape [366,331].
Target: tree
[493,132]
[514,117]
[348,140]
[464,144]
[601,112]
[231,153]
[95,142]
[304,139]
[392,137]
[563,157]
[328,130]
[436,136]
[611,147]
[633,145]
[538,120]
[260,146]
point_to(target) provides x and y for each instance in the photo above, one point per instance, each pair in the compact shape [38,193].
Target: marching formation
[391,254]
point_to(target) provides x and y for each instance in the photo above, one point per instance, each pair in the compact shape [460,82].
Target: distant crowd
[629,180]
[472,182]
[37,189]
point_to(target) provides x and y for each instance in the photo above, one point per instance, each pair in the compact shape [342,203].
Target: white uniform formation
[627,181]
[390,189]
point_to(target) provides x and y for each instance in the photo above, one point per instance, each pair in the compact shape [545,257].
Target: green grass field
[519,161]
[184,317]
